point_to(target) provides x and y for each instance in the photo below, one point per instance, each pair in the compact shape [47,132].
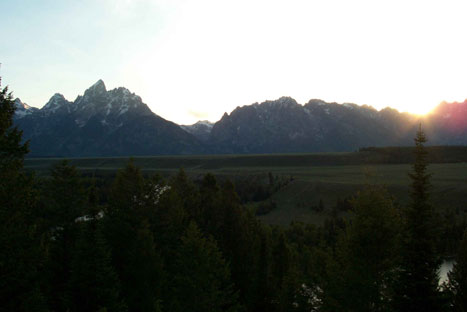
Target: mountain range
[118,123]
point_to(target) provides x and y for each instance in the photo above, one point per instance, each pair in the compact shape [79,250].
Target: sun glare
[419,109]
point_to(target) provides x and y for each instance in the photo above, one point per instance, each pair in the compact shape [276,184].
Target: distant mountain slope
[447,124]
[118,123]
[102,123]
[23,109]
[201,129]
[286,126]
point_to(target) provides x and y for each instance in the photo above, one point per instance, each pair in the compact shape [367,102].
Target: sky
[196,59]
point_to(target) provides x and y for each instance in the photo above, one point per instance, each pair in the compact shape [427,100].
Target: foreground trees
[367,255]
[21,252]
[203,276]
[418,276]
[93,283]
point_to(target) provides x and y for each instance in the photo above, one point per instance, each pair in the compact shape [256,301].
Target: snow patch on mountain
[201,129]
[57,102]
[198,124]
[206,123]
[97,88]
[23,109]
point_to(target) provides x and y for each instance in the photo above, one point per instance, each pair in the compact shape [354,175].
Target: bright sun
[420,109]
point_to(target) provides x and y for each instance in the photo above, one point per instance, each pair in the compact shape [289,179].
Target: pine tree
[262,296]
[457,283]
[65,197]
[418,280]
[94,284]
[210,206]
[21,256]
[12,149]
[189,196]
[237,240]
[147,271]
[202,281]
[64,200]
[367,253]
[128,232]
[127,191]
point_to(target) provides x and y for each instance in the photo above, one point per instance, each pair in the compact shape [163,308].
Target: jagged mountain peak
[56,102]
[353,106]
[20,105]
[125,95]
[200,124]
[117,122]
[450,105]
[200,129]
[102,122]
[452,115]
[316,102]
[389,110]
[23,109]
[111,108]
[206,123]
[121,91]
[98,85]
[97,100]
[286,100]
[57,96]
[282,102]
[97,88]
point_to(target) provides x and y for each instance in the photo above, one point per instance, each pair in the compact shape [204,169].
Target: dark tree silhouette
[21,253]
[418,281]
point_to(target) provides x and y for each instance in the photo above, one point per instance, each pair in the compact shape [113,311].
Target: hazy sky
[196,59]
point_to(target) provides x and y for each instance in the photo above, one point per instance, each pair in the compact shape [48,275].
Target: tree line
[154,244]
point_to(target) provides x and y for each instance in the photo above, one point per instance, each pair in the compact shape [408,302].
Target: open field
[312,177]
[365,156]
[331,183]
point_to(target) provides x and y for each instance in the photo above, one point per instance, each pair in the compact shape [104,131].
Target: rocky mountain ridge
[284,126]
[102,123]
[118,123]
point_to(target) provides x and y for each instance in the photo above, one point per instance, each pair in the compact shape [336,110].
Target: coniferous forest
[147,243]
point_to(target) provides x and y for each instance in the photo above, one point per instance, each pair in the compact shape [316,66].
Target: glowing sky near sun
[191,60]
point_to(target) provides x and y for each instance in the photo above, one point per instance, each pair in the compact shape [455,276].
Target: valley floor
[306,184]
